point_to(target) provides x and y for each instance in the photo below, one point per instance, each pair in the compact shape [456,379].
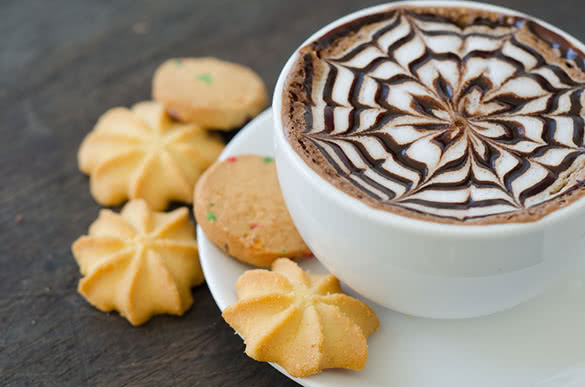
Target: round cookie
[209,92]
[239,205]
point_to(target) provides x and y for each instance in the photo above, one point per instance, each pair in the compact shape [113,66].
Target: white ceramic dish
[537,344]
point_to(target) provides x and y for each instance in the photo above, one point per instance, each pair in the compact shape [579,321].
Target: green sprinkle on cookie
[207,78]
[267,159]
[211,216]
[283,251]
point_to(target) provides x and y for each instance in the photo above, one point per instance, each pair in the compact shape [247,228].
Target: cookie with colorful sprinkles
[239,205]
[210,92]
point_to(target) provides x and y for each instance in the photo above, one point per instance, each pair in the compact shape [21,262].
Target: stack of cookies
[143,261]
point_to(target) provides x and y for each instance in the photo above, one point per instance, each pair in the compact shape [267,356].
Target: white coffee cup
[418,267]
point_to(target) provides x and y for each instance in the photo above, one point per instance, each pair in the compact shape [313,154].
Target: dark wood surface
[62,64]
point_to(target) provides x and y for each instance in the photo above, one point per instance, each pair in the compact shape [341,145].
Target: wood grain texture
[62,64]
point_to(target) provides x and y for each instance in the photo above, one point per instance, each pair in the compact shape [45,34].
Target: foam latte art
[452,116]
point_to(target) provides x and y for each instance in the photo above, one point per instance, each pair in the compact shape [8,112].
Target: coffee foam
[448,115]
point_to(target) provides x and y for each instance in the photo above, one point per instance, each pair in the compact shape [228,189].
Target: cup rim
[359,208]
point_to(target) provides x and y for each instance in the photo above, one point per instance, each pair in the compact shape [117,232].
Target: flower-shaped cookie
[299,320]
[142,153]
[139,262]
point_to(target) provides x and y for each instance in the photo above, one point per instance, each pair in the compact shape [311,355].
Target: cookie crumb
[140,28]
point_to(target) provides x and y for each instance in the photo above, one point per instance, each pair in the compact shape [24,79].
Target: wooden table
[62,64]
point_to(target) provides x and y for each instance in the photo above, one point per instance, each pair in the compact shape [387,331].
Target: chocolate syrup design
[454,120]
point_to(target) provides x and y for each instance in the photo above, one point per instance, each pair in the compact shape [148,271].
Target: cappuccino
[449,115]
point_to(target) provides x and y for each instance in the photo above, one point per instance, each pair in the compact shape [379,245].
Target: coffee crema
[451,115]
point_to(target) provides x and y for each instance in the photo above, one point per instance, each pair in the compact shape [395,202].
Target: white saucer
[538,344]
